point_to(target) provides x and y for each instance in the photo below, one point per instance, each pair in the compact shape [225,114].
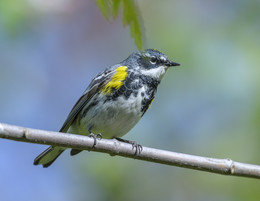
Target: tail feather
[47,157]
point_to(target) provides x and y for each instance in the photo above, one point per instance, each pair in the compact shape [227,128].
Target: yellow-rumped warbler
[115,100]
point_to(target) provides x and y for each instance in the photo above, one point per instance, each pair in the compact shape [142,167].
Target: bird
[115,100]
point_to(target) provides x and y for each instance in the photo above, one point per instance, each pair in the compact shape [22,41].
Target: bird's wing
[96,84]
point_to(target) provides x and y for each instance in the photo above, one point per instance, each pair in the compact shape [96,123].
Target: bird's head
[150,62]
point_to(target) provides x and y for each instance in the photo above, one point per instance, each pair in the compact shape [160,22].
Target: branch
[114,147]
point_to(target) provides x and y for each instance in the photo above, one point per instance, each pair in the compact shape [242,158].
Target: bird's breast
[113,115]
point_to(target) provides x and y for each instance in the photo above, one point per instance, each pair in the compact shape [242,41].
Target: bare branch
[114,147]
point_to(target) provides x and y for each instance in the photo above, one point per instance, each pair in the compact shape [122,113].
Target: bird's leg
[95,137]
[138,148]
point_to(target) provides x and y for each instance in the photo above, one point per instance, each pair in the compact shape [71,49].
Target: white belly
[112,118]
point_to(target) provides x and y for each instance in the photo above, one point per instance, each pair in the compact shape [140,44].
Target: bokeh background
[210,106]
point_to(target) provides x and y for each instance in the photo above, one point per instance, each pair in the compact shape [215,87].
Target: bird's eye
[153,60]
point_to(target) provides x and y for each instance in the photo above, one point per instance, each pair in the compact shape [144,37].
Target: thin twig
[115,147]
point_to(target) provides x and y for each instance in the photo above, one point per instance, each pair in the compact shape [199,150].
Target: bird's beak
[171,63]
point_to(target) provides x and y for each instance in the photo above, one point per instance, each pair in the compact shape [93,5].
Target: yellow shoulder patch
[116,81]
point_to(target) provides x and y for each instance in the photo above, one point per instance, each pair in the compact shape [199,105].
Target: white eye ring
[153,60]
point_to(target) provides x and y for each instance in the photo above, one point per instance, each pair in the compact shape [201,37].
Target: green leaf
[115,7]
[131,18]
[104,8]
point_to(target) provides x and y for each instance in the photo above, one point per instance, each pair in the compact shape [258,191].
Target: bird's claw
[95,137]
[138,148]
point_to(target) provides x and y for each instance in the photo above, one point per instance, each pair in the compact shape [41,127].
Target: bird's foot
[95,137]
[138,148]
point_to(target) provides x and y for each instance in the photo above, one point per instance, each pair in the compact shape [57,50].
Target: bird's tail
[47,157]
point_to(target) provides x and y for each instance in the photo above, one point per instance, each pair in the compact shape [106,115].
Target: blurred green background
[210,106]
